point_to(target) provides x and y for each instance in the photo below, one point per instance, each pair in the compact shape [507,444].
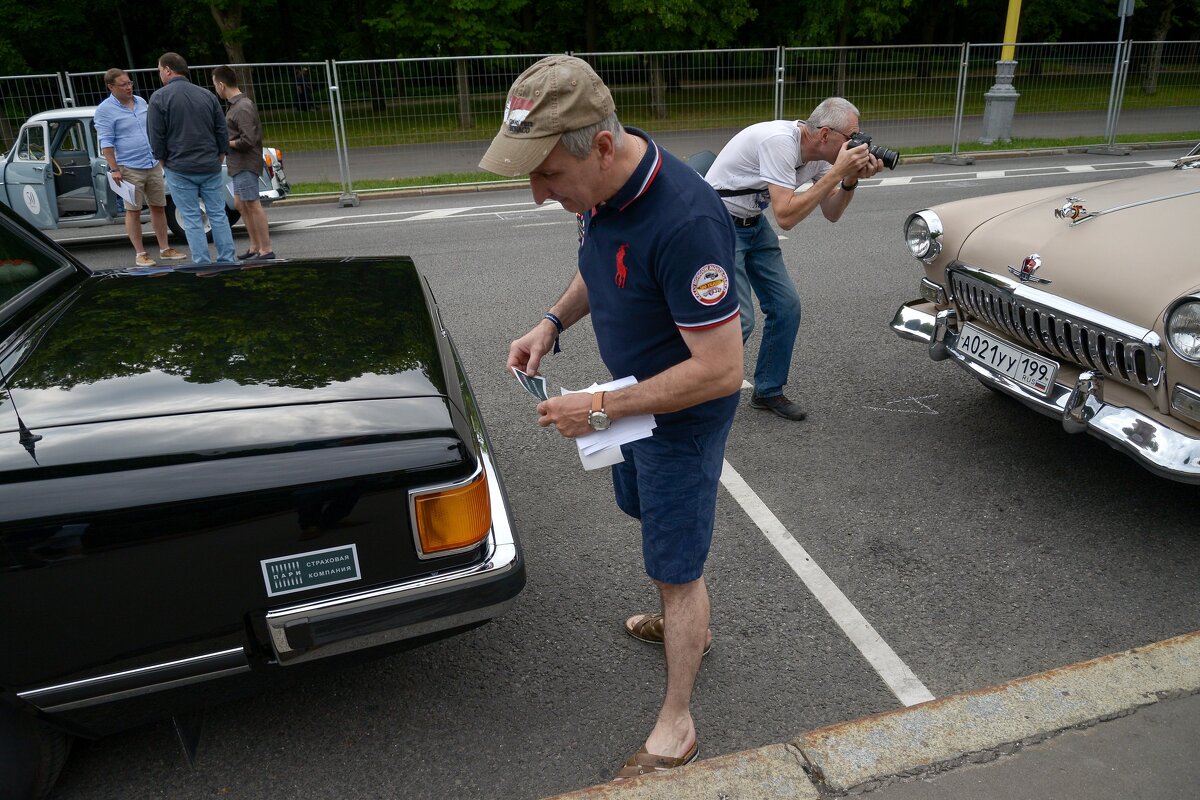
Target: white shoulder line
[895,673]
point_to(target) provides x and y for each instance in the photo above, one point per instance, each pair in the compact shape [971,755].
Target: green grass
[1190,137]
[450,179]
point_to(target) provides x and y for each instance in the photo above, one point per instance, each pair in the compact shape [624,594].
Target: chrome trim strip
[106,688]
[501,560]
[1093,214]
[1158,448]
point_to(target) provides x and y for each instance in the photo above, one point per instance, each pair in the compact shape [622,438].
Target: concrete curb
[973,727]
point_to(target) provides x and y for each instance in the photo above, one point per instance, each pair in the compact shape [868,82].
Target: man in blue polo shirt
[655,271]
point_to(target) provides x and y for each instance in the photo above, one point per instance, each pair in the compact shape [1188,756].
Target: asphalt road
[980,541]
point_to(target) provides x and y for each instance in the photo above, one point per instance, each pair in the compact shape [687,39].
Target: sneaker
[171,254]
[265,256]
[143,260]
[780,405]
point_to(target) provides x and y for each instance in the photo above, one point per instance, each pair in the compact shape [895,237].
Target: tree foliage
[81,35]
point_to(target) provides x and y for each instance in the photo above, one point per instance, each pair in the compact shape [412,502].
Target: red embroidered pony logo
[622,270]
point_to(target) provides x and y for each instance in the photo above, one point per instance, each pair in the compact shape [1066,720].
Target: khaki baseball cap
[556,95]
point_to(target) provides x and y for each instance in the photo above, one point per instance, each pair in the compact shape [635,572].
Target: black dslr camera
[888,157]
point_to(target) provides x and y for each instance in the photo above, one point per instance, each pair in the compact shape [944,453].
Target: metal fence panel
[905,94]
[415,117]
[1162,89]
[1062,88]
[23,96]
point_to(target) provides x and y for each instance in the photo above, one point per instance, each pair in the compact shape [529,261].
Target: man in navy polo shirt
[656,259]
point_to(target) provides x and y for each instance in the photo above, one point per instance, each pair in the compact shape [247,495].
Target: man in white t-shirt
[762,166]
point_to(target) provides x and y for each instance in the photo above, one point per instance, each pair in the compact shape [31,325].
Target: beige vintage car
[1082,302]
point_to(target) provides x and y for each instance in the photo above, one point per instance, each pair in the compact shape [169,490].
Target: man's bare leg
[158,221]
[685,629]
[256,223]
[133,227]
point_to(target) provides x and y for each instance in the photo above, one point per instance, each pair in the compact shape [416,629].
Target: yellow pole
[1010,29]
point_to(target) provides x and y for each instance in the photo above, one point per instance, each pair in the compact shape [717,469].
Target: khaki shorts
[149,185]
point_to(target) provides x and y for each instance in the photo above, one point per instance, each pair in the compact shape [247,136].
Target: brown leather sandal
[649,628]
[644,763]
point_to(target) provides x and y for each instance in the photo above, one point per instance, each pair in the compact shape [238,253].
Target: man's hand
[855,162]
[116,175]
[569,414]
[526,353]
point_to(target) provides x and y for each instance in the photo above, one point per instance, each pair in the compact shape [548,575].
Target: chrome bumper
[407,610]
[1080,407]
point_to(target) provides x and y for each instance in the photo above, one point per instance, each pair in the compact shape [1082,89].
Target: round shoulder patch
[710,284]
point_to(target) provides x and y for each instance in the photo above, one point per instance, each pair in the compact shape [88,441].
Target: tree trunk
[1150,78]
[658,87]
[229,20]
[589,25]
[466,120]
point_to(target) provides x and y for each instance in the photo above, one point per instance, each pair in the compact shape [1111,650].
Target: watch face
[598,420]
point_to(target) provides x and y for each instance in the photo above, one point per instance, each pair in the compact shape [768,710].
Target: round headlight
[923,232]
[1183,329]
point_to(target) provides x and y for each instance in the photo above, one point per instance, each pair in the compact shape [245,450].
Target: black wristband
[846,188]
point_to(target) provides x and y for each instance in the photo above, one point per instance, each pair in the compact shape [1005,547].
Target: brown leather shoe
[649,628]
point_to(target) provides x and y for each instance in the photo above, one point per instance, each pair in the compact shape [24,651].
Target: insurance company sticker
[302,571]
[710,284]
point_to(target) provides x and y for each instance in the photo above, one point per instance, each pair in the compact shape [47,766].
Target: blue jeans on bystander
[187,189]
[759,266]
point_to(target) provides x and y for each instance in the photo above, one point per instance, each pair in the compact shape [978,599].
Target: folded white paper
[124,189]
[603,448]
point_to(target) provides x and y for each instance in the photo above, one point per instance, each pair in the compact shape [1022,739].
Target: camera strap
[739,192]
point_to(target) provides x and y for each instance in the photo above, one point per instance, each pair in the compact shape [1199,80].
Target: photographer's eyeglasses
[835,130]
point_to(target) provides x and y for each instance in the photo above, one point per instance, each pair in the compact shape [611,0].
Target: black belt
[748,222]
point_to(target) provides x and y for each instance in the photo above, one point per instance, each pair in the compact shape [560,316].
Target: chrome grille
[1060,328]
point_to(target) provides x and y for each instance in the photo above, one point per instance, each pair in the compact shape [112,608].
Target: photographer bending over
[763,165]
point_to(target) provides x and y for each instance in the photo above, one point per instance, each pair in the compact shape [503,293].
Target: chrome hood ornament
[1073,209]
[1029,265]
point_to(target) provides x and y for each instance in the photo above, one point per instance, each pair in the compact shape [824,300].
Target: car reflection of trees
[291,326]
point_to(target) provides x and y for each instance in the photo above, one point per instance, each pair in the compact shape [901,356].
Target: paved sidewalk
[1119,727]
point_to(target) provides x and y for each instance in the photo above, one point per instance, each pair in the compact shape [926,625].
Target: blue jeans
[187,189]
[759,266]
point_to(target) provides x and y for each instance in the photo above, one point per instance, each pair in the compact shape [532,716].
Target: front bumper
[1081,407]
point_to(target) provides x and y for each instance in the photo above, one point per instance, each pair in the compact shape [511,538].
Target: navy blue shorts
[670,484]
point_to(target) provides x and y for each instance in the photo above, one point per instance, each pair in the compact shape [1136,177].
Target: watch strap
[597,402]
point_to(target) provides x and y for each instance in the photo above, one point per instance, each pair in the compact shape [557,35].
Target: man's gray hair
[579,143]
[833,112]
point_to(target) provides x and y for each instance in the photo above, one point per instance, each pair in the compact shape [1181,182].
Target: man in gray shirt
[245,161]
[188,135]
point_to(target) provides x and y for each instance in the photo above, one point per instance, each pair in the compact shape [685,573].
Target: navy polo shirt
[658,258]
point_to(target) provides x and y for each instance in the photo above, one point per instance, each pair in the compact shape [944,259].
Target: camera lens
[889,157]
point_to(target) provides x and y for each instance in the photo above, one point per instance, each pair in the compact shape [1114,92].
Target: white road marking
[901,181]
[895,673]
[1081,168]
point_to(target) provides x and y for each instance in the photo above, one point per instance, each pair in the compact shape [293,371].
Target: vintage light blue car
[55,176]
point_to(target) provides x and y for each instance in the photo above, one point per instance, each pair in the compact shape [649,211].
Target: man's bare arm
[713,370]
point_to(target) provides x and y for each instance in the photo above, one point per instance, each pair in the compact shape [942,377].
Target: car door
[106,198]
[29,177]
[73,187]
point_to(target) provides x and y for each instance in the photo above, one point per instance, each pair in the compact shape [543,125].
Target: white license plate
[1024,367]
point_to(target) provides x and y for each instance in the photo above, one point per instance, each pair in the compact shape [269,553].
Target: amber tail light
[452,518]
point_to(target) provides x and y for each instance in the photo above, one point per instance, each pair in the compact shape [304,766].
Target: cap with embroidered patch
[556,95]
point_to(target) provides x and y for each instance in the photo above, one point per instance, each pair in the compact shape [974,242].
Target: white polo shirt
[768,152]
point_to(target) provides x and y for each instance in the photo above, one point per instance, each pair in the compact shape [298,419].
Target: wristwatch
[597,418]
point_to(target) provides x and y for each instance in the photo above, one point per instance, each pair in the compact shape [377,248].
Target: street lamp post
[1001,99]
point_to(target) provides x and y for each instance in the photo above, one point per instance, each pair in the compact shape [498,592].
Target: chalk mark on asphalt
[922,407]
[907,687]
